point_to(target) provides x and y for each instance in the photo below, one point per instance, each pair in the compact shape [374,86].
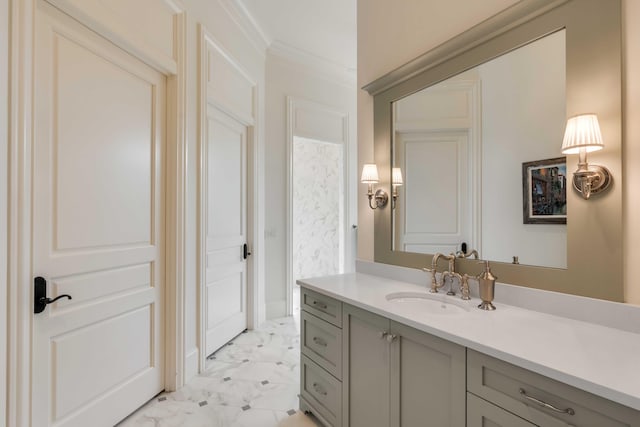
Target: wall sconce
[396,181]
[582,135]
[370,176]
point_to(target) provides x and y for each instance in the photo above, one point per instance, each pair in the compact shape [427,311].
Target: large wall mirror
[466,123]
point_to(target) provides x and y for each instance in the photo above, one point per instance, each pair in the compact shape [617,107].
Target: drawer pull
[320,341]
[539,402]
[319,389]
[320,305]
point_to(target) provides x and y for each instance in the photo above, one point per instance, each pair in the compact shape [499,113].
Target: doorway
[318,208]
[225,229]
[229,251]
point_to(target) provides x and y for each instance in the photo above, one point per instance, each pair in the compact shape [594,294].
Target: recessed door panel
[226,182]
[103,150]
[86,365]
[89,288]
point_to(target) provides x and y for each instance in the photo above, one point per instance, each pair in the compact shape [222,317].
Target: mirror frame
[593,84]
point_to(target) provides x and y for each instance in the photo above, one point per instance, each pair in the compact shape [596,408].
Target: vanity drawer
[481,413]
[322,343]
[514,389]
[322,306]
[321,391]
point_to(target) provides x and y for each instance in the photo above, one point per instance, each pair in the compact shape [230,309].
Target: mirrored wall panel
[480,159]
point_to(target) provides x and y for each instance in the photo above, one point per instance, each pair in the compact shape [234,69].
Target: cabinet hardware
[320,341]
[539,402]
[321,305]
[319,389]
[391,337]
[383,334]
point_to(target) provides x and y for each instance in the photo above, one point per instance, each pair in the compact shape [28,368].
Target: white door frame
[210,95]
[296,107]
[19,281]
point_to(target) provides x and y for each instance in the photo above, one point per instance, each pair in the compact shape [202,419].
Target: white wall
[392,33]
[4,134]
[514,132]
[286,77]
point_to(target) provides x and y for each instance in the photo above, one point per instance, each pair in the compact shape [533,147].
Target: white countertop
[598,359]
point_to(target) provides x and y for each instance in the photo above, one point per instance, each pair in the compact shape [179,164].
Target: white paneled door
[437,172]
[98,227]
[225,198]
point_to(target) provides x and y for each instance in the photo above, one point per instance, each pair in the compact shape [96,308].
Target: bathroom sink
[432,303]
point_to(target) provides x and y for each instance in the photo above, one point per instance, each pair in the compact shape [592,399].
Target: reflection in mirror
[461,145]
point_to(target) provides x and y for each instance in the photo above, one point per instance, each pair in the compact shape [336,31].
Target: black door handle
[40,300]
[245,251]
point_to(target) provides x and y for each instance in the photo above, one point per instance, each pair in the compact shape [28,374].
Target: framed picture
[544,191]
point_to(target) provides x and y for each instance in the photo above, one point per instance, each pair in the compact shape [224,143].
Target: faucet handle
[427,270]
[464,287]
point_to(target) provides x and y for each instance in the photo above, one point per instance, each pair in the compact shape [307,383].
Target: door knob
[40,300]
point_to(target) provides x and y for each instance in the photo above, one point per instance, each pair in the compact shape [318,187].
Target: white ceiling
[325,29]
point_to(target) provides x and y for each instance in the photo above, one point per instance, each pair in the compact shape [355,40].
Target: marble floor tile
[251,382]
[274,372]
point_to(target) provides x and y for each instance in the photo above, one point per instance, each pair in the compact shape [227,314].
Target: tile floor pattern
[251,382]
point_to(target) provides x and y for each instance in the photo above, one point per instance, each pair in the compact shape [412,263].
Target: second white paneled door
[98,227]
[225,199]
[437,171]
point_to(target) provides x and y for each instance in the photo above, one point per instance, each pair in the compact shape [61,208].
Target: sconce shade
[369,174]
[582,131]
[396,178]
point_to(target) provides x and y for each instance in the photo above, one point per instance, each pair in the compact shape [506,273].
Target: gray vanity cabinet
[397,376]
[366,369]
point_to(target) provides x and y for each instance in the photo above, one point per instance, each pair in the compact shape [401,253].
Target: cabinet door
[481,413]
[427,379]
[365,368]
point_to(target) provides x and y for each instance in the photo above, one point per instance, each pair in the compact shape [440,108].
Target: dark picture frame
[544,191]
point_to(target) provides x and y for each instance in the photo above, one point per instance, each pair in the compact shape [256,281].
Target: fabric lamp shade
[582,132]
[396,176]
[369,174]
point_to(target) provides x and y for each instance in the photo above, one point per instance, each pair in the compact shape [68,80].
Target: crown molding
[247,23]
[313,64]
[509,18]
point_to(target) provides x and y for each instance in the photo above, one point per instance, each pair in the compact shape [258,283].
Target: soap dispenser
[487,282]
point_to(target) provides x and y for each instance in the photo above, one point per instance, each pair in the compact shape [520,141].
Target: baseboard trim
[191,364]
[276,309]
